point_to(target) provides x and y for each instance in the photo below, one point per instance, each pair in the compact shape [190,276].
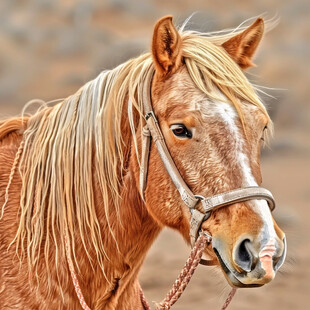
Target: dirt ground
[48,49]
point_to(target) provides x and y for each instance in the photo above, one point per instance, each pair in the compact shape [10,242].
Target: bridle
[200,206]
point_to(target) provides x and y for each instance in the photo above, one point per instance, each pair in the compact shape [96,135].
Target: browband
[152,131]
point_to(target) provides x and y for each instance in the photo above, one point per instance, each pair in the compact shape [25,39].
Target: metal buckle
[199,197]
[208,236]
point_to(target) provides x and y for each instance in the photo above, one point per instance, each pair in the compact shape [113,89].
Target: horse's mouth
[232,275]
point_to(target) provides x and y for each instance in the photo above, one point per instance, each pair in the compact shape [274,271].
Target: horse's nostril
[243,252]
[244,257]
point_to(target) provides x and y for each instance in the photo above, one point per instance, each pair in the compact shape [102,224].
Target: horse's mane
[65,145]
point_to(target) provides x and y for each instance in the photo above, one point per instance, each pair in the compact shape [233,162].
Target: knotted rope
[185,276]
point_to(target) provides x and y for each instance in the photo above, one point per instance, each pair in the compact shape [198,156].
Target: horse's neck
[134,231]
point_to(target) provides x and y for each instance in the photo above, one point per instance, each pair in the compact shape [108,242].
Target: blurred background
[48,49]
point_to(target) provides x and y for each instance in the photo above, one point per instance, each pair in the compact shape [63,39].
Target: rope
[13,169]
[186,273]
[185,276]
[178,287]
[144,302]
[229,298]
[75,280]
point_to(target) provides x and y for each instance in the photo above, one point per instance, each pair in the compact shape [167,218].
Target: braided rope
[178,287]
[75,280]
[12,173]
[229,298]
[185,276]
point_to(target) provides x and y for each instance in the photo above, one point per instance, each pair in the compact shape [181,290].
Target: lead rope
[75,280]
[185,276]
[178,287]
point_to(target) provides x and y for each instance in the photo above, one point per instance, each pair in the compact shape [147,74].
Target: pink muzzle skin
[266,258]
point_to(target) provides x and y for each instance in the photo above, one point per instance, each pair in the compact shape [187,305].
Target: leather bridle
[199,214]
[199,211]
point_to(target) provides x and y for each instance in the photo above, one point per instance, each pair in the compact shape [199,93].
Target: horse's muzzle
[249,265]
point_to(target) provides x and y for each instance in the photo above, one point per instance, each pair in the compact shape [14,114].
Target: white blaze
[228,114]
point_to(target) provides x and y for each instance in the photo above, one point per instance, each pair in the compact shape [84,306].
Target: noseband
[199,211]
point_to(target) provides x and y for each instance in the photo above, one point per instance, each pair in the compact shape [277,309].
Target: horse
[79,188]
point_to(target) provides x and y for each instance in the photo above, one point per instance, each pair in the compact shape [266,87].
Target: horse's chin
[234,282]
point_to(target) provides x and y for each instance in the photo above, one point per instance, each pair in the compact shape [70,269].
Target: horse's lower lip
[232,278]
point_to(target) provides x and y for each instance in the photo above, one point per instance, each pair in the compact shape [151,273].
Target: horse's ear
[166,47]
[242,47]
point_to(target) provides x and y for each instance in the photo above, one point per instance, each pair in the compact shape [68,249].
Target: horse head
[214,126]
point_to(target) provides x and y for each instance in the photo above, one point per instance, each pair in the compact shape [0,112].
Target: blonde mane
[65,145]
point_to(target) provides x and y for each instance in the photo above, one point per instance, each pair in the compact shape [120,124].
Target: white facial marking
[227,113]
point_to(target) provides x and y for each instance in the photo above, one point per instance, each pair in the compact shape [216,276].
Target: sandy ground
[48,49]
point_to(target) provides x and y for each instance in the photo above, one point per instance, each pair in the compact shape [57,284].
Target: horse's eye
[180,131]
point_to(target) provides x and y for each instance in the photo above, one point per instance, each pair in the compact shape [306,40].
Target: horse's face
[215,153]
